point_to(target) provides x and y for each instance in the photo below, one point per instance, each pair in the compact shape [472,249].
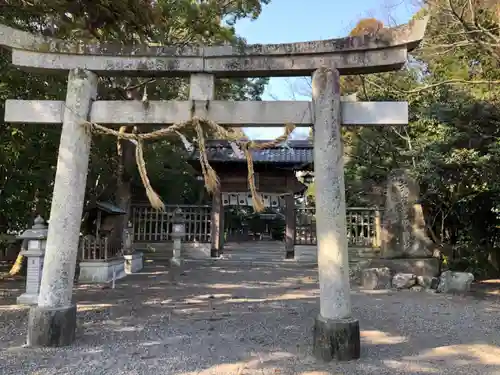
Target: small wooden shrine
[99,244]
[275,179]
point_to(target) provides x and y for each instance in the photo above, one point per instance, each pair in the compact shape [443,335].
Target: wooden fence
[98,249]
[151,225]
[363,227]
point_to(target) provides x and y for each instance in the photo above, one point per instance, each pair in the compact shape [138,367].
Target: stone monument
[404,238]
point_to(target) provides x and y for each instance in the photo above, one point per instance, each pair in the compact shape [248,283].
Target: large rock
[403,226]
[404,280]
[455,282]
[376,278]
[418,266]
[428,282]
[355,275]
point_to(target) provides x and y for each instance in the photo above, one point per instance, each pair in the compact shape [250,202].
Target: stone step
[281,264]
[253,262]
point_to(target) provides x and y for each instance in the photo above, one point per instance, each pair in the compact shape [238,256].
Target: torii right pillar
[336,332]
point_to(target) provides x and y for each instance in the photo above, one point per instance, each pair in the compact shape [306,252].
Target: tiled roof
[298,152]
[107,207]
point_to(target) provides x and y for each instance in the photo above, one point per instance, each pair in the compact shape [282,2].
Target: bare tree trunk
[123,195]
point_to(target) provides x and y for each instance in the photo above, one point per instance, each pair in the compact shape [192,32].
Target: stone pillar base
[337,339]
[51,327]
[177,262]
[290,254]
[27,299]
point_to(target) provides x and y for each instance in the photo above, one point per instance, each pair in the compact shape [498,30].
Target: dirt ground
[229,320]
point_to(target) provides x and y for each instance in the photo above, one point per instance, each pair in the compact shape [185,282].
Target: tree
[468,24]
[451,143]
[351,84]
[28,152]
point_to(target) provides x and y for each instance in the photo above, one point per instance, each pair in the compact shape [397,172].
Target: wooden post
[53,321]
[217,228]
[378,229]
[290,226]
[336,333]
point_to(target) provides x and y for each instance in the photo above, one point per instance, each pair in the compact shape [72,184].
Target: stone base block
[101,271]
[51,327]
[196,250]
[27,299]
[337,339]
[133,262]
[176,262]
[306,253]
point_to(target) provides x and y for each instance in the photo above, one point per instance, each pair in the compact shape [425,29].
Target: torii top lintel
[384,51]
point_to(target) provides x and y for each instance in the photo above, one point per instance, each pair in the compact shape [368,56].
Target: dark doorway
[243,224]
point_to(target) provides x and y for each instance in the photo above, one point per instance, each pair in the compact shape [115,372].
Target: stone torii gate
[336,332]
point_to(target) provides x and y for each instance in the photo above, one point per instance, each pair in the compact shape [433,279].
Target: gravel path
[236,321]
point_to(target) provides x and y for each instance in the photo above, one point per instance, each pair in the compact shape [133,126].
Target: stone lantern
[128,238]
[133,259]
[36,238]
[178,232]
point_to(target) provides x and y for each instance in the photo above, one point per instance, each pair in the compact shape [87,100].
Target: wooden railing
[151,225]
[100,248]
[363,227]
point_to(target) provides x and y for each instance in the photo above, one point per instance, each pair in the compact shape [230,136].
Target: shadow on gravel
[236,321]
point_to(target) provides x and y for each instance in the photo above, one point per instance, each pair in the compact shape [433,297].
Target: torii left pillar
[53,321]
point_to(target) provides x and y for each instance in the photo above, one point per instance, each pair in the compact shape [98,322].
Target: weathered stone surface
[51,327]
[403,280]
[69,192]
[355,271]
[376,278]
[386,50]
[331,226]
[409,35]
[427,282]
[353,62]
[245,113]
[403,227]
[455,282]
[201,87]
[101,271]
[134,262]
[417,288]
[420,267]
[336,339]
[176,259]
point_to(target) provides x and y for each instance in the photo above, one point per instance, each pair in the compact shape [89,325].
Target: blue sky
[285,21]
